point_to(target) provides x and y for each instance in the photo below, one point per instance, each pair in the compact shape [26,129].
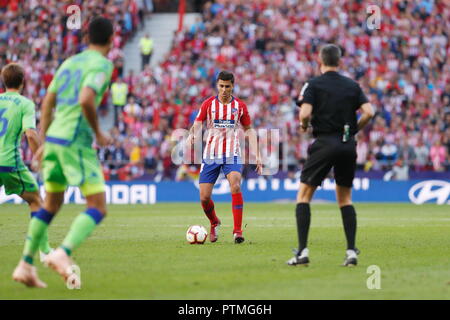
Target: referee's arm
[305,115]
[305,101]
[367,113]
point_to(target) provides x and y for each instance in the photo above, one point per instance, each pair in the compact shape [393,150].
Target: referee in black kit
[331,101]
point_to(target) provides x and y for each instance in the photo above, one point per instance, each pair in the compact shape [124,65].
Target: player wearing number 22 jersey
[224,115]
[68,157]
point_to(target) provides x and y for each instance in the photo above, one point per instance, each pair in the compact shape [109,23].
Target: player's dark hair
[226,76]
[100,30]
[13,76]
[330,55]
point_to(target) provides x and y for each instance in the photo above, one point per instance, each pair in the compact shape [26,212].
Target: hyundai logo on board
[425,191]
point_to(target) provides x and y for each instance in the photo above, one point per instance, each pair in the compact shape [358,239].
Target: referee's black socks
[349,220]
[303,214]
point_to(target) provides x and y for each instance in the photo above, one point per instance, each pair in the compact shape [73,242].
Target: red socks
[210,212]
[238,206]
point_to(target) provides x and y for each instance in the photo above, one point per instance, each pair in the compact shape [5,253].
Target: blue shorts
[210,169]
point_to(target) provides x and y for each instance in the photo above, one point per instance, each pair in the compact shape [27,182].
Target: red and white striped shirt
[223,122]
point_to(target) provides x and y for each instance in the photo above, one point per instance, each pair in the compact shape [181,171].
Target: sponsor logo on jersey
[224,123]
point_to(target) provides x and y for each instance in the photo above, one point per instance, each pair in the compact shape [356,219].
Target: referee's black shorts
[330,152]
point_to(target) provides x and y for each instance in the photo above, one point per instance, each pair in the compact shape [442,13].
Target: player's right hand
[37,159]
[190,140]
[259,165]
[103,140]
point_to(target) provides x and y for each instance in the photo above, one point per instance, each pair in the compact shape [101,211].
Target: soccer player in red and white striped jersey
[225,116]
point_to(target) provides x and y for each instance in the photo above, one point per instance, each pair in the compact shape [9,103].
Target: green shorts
[74,165]
[18,182]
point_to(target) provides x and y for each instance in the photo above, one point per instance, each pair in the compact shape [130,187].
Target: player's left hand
[103,139]
[37,159]
[304,129]
[259,165]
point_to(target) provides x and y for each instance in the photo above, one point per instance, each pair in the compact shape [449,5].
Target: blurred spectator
[119,92]
[146,46]
[399,172]
[149,7]
[406,152]
[135,154]
[438,155]
[199,26]
[388,153]
[422,155]
[132,109]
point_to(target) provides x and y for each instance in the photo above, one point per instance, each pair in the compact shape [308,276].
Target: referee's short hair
[100,30]
[330,54]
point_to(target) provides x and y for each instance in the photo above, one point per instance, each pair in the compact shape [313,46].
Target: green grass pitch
[140,252]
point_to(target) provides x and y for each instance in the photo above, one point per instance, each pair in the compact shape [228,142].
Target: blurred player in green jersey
[68,157]
[17,116]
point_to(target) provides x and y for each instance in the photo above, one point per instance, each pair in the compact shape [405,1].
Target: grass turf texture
[140,252]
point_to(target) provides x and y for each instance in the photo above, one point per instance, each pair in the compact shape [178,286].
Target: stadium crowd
[271,46]
[35,34]
[272,51]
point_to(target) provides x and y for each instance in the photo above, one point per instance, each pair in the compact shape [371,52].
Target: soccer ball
[196,235]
